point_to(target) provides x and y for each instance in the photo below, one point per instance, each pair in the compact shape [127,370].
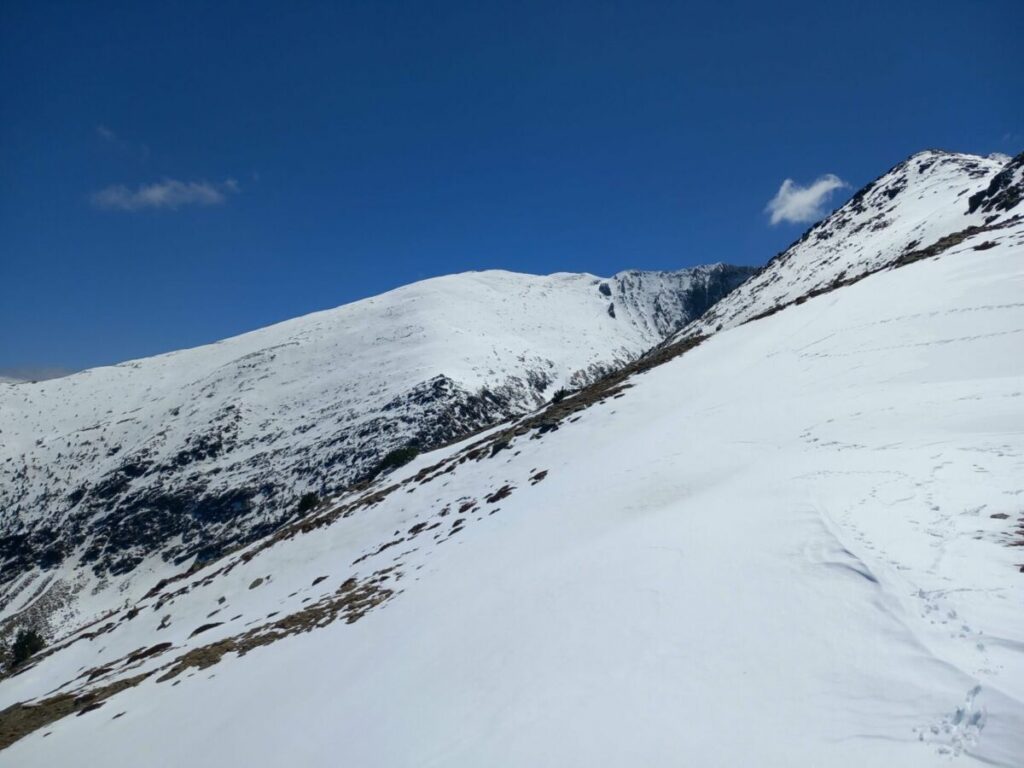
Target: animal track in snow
[960,731]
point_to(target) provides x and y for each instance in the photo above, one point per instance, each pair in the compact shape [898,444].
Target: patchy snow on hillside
[191,453]
[789,546]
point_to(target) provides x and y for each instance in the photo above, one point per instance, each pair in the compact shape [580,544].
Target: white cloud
[139,152]
[169,193]
[797,204]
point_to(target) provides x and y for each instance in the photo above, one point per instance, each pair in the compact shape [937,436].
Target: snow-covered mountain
[912,207]
[793,542]
[160,461]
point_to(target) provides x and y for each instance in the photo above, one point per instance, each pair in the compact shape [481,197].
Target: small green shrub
[26,643]
[560,395]
[307,502]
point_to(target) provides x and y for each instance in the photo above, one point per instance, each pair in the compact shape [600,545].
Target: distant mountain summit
[181,456]
[911,207]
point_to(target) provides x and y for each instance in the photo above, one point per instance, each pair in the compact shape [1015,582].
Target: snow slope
[911,206]
[791,545]
[132,471]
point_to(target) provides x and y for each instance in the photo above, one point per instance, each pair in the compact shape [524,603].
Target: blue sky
[174,173]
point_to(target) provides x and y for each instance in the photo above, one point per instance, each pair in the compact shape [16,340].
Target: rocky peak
[1004,192]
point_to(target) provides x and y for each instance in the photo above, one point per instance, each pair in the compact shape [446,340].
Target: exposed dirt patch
[204,627]
[502,493]
[381,548]
[1018,534]
[90,707]
[145,653]
[19,720]
[350,602]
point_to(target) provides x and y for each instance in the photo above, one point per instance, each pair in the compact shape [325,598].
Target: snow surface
[225,438]
[788,547]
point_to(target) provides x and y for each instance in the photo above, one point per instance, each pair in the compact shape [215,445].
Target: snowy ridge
[915,204]
[135,470]
[825,576]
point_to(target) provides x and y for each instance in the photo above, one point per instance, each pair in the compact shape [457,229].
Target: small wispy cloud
[114,142]
[169,194]
[798,204]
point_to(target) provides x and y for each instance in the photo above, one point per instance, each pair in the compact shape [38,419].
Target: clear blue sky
[174,173]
